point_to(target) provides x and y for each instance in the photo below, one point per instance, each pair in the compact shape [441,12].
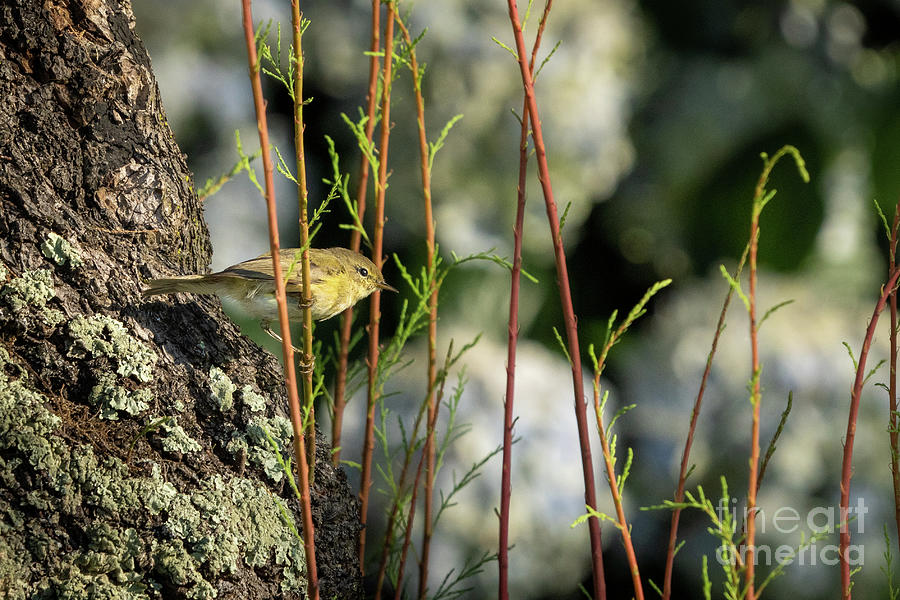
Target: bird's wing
[320,265]
[259,268]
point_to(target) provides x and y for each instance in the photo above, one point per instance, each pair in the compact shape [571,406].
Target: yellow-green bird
[339,278]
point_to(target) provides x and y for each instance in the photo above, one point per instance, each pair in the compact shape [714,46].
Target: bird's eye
[362,271]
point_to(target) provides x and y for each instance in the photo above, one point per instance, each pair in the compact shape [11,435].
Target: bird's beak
[384,286]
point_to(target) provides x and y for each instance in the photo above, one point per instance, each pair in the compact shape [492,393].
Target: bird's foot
[306,364]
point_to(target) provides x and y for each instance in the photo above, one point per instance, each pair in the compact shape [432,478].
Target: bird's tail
[192,284]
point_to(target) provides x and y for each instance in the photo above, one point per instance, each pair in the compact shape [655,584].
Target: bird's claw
[306,364]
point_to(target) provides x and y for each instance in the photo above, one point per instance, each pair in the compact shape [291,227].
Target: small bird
[339,278]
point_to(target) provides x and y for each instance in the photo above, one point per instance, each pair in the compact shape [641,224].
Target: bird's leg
[266,326]
[306,363]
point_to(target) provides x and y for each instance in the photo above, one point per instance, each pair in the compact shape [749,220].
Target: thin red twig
[622,522]
[401,483]
[565,294]
[431,367]
[512,344]
[755,399]
[685,456]
[892,385]
[395,505]
[281,298]
[375,303]
[847,464]
[410,518]
[760,198]
[513,333]
[340,386]
[615,484]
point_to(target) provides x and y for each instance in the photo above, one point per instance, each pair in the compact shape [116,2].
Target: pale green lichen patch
[255,402]
[101,335]
[174,562]
[258,447]
[16,561]
[221,389]
[60,251]
[20,427]
[112,398]
[222,526]
[153,492]
[105,569]
[176,440]
[5,359]
[33,289]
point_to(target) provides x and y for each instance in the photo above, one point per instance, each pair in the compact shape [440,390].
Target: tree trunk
[134,461]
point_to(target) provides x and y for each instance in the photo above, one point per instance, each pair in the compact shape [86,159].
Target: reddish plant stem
[410,518]
[281,298]
[513,334]
[395,510]
[562,275]
[375,302]
[303,197]
[395,505]
[892,385]
[755,399]
[340,386]
[431,367]
[622,522]
[685,456]
[407,536]
[512,344]
[398,591]
[759,201]
[847,464]
[755,393]
[612,480]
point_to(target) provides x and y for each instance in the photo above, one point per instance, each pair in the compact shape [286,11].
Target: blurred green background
[655,114]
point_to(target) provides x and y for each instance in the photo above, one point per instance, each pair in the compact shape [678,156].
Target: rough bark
[133,461]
